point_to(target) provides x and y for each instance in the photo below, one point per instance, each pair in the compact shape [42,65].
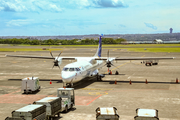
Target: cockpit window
[77,69]
[71,69]
[65,69]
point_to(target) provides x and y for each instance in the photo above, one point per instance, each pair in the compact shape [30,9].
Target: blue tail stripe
[100,46]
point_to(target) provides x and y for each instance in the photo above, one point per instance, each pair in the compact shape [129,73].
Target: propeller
[109,63]
[55,60]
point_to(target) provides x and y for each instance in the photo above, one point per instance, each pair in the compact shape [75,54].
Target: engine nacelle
[57,61]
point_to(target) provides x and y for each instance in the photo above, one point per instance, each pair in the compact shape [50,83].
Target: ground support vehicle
[29,112]
[30,84]
[146,114]
[107,113]
[151,62]
[68,98]
[53,106]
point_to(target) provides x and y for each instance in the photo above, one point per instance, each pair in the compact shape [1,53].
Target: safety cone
[130,82]
[177,80]
[50,81]
[115,82]
[146,81]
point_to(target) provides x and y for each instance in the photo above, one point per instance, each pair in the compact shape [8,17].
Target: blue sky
[79,17]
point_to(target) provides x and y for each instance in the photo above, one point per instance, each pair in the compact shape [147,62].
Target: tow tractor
[68,99]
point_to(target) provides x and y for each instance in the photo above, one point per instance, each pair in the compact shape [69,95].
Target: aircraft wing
[102,58]
[40,57]
[135,58]
[26,56]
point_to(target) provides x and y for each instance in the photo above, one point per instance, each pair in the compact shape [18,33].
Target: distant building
[157,41]
[171,30]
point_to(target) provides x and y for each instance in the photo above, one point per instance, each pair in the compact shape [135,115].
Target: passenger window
[71,69]
[77,69]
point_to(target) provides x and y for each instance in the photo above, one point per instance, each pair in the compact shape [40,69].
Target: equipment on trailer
[68,99]
[146,114]
[29,112]
[107,113]
[53,106]
[30,84]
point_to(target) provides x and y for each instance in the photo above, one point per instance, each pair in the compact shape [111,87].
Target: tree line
[61,42]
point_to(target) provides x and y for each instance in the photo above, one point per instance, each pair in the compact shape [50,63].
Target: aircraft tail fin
[98,53]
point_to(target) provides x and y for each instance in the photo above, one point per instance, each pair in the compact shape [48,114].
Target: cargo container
[53,106]
[29,112]
[30,84]
[146,114]
[107,113]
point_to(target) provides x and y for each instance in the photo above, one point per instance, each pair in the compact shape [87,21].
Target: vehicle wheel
[150,64]
[58,114]
[66,109]
[146,64]
[156,63]
[71,106]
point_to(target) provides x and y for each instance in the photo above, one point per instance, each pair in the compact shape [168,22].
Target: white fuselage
[84,67]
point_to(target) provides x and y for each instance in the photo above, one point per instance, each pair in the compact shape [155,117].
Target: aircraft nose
[67,77]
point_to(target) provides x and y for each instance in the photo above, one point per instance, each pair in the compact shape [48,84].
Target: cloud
[19,22]
[121,25]
[98,3]
[11,6]
[57,5]
[109,3]
[29,5]
[150,26]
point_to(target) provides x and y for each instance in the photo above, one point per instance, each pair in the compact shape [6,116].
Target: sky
[82,17]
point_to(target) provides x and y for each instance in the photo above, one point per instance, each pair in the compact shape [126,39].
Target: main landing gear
[99,77]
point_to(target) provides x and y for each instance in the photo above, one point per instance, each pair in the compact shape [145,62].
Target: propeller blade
[108,55]
[51,54]
[59,54]
[59,67]
[53,67]
[114,66]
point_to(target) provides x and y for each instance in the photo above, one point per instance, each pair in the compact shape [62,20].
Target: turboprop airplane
[86,66]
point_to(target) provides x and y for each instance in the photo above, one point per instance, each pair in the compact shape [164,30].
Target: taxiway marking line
[96,89]
[94,99]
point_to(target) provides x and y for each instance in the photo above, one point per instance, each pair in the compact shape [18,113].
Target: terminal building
[157,41]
